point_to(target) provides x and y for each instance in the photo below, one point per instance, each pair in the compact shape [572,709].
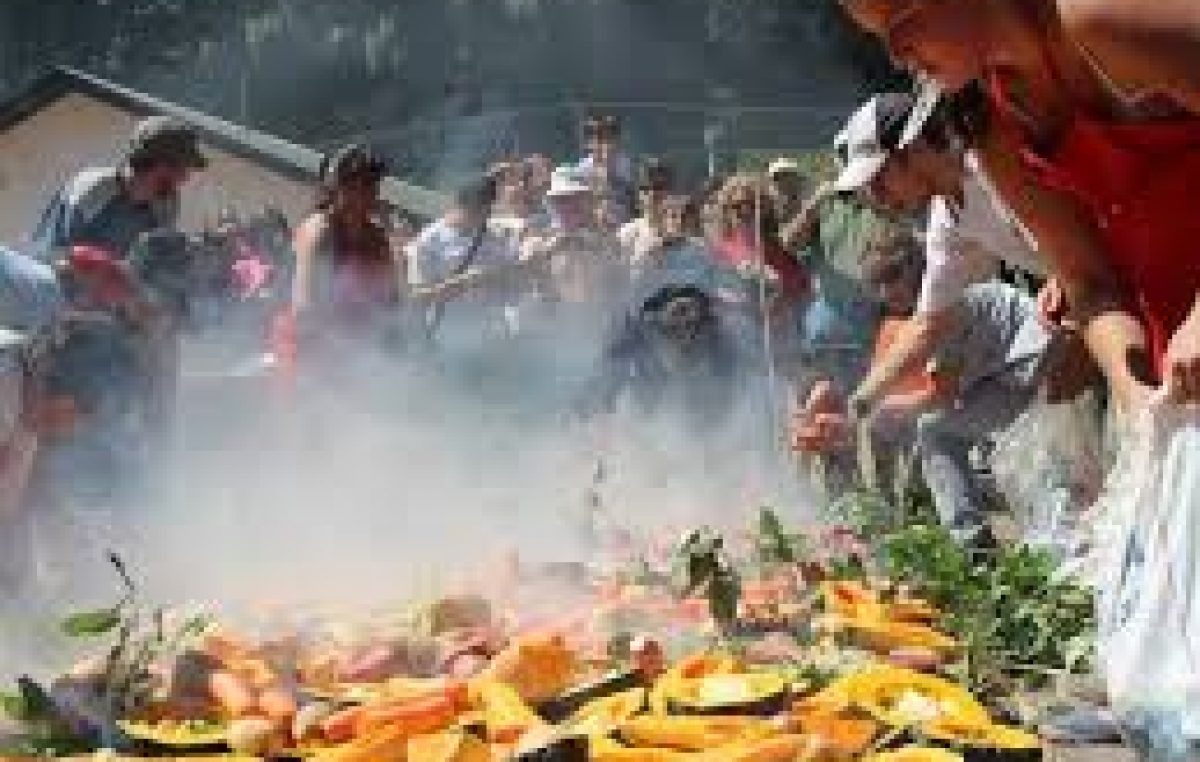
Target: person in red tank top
[346,277]
[1094,141]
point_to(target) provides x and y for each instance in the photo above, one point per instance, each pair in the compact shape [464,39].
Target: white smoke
[377,482]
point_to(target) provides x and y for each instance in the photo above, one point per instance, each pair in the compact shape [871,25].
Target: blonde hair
[741,187]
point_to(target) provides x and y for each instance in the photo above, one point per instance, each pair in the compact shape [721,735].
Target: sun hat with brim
[166,139]
[566,181]
[883,125]
[11,339]
[783,166]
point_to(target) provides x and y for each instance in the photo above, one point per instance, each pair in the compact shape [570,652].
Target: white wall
[40,153]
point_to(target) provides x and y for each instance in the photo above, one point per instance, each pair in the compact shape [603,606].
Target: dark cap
[655,173]
[165,139]
[352,161]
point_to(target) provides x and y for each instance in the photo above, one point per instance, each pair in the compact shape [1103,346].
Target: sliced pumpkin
[607,750]
[690,668]
[852,599]
[841,736]
[883,636]
[539,667]
[915,754]
[505,714]
[601,715]
[448,747]
[903,698]
[755,693]
[779,748]
[913,611]
[691,733]
[565,705]
[979,735]
[169,734]
[552,747]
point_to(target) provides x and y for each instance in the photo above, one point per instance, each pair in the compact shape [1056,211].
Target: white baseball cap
[567,181]
[783,165]
[883,125]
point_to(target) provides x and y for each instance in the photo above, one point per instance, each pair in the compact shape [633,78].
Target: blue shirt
[30,296]
[94,208]
[996,333]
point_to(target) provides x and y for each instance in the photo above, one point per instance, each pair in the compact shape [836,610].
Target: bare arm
[804,227]
[306,242]
[914,346]
[908,405]
[1067,234]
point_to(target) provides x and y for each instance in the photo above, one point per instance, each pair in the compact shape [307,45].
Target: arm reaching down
[1068,235]
[914,347]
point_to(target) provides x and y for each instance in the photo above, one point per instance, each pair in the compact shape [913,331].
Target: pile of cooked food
[807,663]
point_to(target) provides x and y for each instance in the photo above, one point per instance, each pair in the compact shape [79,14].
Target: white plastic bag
[1148,579]
[1049,466]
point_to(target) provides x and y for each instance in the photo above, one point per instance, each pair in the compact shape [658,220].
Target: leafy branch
[78,714]
[702,565]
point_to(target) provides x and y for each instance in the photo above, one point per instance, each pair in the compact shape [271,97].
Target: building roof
[282,156]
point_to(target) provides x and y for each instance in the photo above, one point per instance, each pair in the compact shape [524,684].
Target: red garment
[104,278]
[1139,180]
[364,279]
[739,248]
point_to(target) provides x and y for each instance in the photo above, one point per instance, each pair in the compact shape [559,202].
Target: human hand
[822,398]
[1181,366]
[821,432]
[1052,303]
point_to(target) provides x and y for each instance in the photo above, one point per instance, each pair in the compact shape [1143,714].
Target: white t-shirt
[441,248]
[966,244]
[639,240]
[435,255]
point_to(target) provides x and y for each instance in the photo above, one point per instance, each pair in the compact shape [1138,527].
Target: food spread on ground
[812,664]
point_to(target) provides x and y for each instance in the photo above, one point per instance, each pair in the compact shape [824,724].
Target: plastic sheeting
[1049,465]
[1148,576]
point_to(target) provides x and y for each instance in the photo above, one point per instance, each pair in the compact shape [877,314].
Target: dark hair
[349,161]
[596,125]
[655,173]
[655,306]
[142,162]
[892,257]
[963,115]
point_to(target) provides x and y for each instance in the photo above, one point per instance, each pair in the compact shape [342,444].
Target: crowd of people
[584,289]
[1047,143]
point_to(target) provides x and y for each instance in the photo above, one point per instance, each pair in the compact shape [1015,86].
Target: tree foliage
[319,71]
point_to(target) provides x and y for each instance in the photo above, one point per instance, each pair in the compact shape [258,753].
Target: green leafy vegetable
[91,623]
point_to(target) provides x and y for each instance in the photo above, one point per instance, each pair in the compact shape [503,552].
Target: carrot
[418,716]
[339,727]
[231,693]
